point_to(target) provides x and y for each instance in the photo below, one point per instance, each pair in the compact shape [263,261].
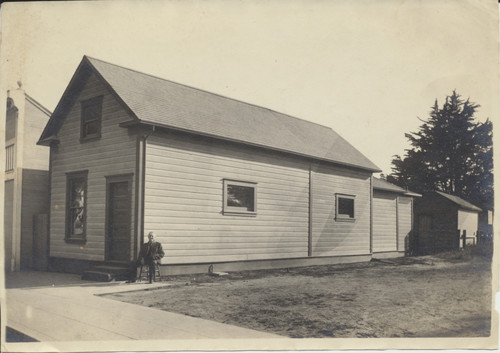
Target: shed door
[384,223]
[118,220]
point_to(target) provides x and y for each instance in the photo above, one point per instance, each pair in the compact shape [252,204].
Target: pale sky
[366,69]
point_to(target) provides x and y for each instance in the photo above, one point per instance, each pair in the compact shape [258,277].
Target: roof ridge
[211,93]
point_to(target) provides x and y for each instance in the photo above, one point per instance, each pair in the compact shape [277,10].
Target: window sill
[241,214]
[342,219]
[75,240]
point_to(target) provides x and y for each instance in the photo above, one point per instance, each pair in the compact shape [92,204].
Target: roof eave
[412,194]
[48,141]
[380,188]
[198,133]
[473,209]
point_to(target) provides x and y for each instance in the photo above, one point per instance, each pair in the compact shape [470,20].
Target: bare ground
[433,296]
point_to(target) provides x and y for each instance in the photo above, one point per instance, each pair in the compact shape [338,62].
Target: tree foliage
[451,152]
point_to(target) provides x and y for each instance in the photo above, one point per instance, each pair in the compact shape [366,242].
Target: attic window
[91,118]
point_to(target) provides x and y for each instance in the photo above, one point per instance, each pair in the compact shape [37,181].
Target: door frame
[110,179]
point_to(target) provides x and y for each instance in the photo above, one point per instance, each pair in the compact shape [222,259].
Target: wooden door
[118,220]
[425,223]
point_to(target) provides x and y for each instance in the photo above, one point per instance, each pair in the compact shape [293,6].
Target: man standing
[150,254]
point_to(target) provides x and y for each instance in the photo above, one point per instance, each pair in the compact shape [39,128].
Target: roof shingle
[164,103]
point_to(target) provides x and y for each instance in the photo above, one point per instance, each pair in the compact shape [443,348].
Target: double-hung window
[240,198]
[76,206]
[344,207]
[91,118]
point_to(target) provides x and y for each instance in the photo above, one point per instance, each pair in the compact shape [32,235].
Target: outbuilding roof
[384,185]
[381,184]
[156,101]
[460,202]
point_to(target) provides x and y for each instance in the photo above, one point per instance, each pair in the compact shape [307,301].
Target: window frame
[68,237]
[86,104]
[342,217]
[238,211]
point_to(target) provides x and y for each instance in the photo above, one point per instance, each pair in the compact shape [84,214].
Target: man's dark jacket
[150,253]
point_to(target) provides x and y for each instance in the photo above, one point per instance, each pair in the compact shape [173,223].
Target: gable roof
[152,100]
[384,185]
[461,203]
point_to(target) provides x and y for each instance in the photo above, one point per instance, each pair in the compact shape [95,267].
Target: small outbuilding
[444,222]
[392,219]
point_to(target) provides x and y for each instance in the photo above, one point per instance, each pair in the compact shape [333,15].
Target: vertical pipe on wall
[309,239]
[138,196]
[144,139]
[371,214]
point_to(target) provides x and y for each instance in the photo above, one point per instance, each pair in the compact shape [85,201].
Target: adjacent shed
[392,219]
[220,181]
[445,222]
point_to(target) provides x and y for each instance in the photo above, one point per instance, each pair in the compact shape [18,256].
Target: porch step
[106,273]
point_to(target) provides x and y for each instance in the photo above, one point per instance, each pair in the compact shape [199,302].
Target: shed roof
[381,184]
[461,203]
[152,100]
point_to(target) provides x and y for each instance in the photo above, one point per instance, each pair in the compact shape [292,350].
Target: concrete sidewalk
[61,307]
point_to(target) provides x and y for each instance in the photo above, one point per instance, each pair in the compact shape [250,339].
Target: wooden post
[464,238]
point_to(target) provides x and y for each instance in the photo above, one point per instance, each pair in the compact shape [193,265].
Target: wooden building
[444,222]
[26,184]
[219,181]
[392,219]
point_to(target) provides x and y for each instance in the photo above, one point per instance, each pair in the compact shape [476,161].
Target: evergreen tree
[451,152]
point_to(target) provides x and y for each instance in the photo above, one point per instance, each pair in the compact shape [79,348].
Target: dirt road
[432,296]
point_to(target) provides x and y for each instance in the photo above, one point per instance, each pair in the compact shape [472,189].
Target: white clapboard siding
[404,221]
[384,222]
[336,238]
[184,200]
[113,154]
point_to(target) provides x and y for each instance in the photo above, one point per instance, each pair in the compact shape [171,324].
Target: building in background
[445,222]
[26,184]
